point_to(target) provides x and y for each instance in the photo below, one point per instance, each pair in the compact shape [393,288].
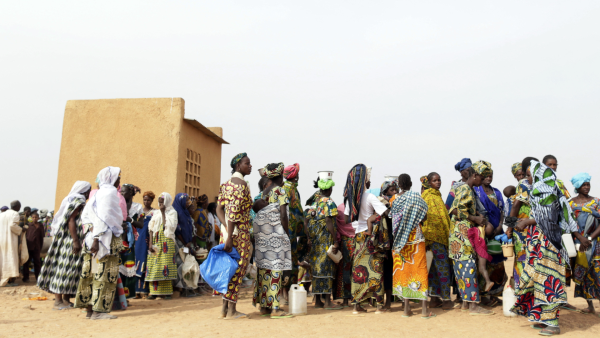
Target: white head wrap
[107,213]
[77,191]
[170,217]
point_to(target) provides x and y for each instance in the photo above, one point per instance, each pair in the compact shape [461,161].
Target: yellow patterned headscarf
[515,167]
[483,168]
[275,172]
[425,182]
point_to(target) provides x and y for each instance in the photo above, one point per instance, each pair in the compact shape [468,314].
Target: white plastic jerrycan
[508,300]
[298,304]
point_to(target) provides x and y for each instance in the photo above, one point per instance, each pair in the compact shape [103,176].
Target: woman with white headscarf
[62,265]
[102,225]
[162,269]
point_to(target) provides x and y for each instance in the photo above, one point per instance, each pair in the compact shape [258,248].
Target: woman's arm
[221,213]
[329,221]
[73,231]
[284,217]
[514,212]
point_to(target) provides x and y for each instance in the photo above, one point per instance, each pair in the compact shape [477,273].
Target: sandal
[282,315]
[431,315]
[239,315]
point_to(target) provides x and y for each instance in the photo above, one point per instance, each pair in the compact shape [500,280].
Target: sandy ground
[197,317]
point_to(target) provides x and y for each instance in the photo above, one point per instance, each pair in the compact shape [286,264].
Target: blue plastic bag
[503,238]
[219,267]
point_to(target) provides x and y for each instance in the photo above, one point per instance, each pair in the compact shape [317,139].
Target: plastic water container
[567,240]
[508,300]
[298,304]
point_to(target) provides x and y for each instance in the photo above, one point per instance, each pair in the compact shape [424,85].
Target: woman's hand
[477,219]
[585,244]
[95,247]
[335,248]
[228,244]
[76,247]
[522,224]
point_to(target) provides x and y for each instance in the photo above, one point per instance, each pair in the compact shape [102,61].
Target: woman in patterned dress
[162,269]
[586,270]
[322,234]
[62,266]
[267,289]
[436,229]
[233,211]
[541,289]
[492,201]
[464,216]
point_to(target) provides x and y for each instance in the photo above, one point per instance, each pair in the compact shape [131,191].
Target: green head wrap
[324,185]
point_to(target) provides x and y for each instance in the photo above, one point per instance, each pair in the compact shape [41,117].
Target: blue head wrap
[579,179]
[185,226]
[463,164]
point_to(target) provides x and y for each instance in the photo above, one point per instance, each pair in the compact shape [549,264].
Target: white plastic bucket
[390,178]
[325,175]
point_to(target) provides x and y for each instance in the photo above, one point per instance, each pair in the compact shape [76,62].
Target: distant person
[141,246]
[9,244]
[62,265]
[3,209]
[35,241]
[103,220]
[127,267]
[215,226]
[162,270]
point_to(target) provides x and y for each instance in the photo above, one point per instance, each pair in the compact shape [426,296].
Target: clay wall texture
[147,138]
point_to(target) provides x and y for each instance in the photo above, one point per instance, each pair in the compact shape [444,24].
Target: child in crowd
[510,193]
[35,240]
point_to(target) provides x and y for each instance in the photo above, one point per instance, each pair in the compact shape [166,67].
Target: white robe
[9,246]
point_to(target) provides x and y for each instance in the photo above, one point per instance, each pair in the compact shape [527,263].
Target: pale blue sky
[401,86]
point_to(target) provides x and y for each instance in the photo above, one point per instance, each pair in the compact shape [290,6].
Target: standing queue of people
[105,246]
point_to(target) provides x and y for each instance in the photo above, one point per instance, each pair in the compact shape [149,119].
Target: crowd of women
[384,240]
[401,244]
[106,248]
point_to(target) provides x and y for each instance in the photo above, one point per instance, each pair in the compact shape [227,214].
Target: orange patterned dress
[237,201]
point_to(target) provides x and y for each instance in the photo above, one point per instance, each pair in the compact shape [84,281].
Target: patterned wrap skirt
[99,289]
[465,272]
[586,274]
[61,269]
[410,272]
[267,288]
[367,272]
[440,272]
[342,285]
[541,288]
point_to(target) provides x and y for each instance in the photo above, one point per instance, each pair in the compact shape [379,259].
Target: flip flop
[431,315]
[334,308]
[405,316]
[547,333]
[284,315]
[569,309]
[536,328]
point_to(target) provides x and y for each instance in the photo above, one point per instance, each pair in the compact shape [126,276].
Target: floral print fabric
[322,266]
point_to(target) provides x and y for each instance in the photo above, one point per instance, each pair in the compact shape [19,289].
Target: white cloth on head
[9,246]
[104,212]
[170,218]
[369,205]
[77,191]
[135,209]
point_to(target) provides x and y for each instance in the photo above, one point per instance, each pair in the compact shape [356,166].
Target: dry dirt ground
[197,317]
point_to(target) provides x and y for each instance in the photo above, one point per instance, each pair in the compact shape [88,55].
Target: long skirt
[440,272]
[410,272]
[587,278]
[127,272]
[241,242]
[342,286]
[161,265]
[520,242]
[120,302]
[161,288]
[61,269]
[267,288]
[466,277]
[367,273]
[98,289]
[541,288]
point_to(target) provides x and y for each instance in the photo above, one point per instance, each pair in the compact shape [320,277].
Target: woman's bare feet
[358,309]
[488,286]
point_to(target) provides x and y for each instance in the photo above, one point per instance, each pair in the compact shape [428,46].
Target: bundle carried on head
[354,189]
[273,170]
[291,171]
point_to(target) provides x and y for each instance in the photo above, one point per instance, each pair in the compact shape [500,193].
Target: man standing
[9,244]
